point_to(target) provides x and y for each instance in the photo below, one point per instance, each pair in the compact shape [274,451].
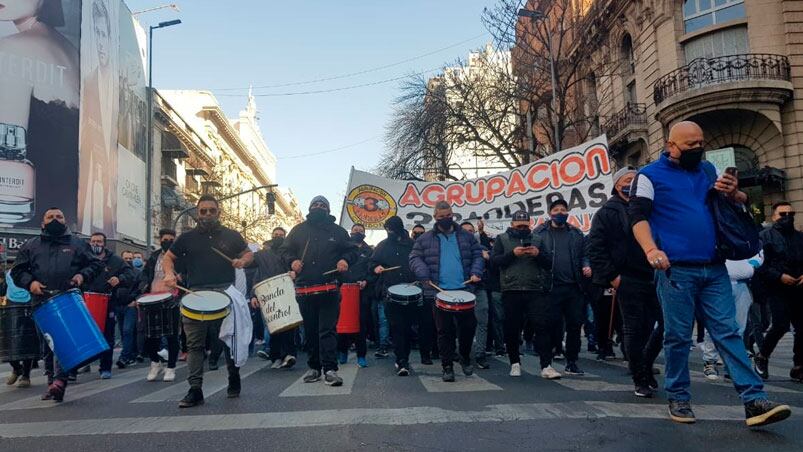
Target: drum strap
[316,289]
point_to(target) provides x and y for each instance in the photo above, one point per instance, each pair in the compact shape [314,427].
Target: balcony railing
[631,115]
[703,72]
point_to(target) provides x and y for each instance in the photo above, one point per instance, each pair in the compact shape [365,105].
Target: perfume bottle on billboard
[17,177]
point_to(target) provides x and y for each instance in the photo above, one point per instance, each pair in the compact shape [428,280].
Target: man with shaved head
[673,225]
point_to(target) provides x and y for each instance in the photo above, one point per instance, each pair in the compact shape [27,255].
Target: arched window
[699,14]
[628,59]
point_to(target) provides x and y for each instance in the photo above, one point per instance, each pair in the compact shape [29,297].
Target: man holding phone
[524,278]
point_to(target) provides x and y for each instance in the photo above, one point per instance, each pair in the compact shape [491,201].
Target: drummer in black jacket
[358,273]
[312,248]
[54,261]
[392,252]
[115,279]
[269,263]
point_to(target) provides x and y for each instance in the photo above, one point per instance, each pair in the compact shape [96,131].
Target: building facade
[733,66]
[201,151]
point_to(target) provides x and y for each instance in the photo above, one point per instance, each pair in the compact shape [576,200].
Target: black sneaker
[381,353]
[468,369]
[763,412]
[761,366]
[482,363]
[680,411]
[572,369]
[332,379]
[653,383]
[312,376]
[501,352]
[264,355]
[140,359]
[448,374]
[592,348]
[644,391]
[195,396]
[402,372]
[233,391]
[120,364]
[213,366]
[796,374]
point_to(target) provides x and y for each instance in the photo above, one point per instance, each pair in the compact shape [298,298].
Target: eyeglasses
[786,214]
[210,211]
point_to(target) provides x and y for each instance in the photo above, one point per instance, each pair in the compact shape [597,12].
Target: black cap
[521,215]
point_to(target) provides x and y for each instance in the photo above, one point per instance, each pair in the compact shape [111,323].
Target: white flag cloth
[236,329]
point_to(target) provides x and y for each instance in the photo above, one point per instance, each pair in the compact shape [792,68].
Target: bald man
[676,230]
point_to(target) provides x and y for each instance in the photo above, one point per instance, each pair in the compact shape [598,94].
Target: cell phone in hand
[527,244]
[731,170]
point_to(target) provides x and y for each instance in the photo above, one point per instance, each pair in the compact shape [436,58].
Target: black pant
[601,305]
[359,339]
[402,318]
[569,299]
[320,314]
[757,323]
[154,344]
[427,335]
[546,321]
[108,334]
[786,308]
[22,367]
[451,326]
[520,305]
[643,339]
[214,344]
[283,344]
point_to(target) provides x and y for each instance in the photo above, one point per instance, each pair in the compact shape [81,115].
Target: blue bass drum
[69,329]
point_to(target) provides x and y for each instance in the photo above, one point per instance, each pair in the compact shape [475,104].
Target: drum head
[206,301]
[156,297]
[456,296]
[404,290]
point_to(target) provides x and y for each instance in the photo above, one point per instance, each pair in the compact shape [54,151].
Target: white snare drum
[405,294]
[455,300]
[205,305]
[277,301]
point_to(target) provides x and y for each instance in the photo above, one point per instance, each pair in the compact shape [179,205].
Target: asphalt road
[376,410]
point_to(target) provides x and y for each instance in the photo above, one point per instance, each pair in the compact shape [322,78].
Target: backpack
[737,232]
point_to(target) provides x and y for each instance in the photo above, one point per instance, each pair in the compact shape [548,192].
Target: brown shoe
[12,378]
[24,382]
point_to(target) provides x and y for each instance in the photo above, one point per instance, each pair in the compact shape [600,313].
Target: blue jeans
[744,299]
[127,319]
[384,329]
[707,289]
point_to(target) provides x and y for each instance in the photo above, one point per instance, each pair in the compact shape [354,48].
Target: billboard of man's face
[18,10]
[102,28]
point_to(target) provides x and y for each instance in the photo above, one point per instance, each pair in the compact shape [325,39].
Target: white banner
[580,175]
[131,186]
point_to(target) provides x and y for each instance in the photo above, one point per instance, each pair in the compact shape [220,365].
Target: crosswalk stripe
[214,382]
[431,379]
[348,372]
[78,392]
[586,382]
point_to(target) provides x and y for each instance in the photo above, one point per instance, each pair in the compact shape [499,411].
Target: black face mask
[55,228]
[208,224]
[317,215]
[520,233]
[416,235]
[392,235]
[690,159]
[166,244]
[444,223]
[357,237]
[786,223]
[276,243]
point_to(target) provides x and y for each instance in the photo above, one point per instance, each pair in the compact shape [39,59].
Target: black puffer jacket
[113,265]
[392,253]
[783,253]
[328,243]
[576,249]
[53,261]
[612,249]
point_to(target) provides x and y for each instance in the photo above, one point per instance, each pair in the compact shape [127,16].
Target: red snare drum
[455,300]
[98,306]
[349,320]
[306,291]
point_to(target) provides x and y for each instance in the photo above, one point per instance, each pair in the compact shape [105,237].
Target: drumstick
[184,289]
[391,268]
[433,285]
[223,255]
[304,253]
[466,282]
[329,272]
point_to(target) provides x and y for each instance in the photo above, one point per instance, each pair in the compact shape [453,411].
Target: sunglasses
[211,211]
[786,214]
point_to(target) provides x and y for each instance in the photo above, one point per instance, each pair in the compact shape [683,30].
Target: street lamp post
[149,150]
[534,17]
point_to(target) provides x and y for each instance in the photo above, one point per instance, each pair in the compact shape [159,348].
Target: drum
[405,294]
[277,301]
[98,305]
[455,300]
[69,330]
[306,291]
[18,337]
[349,320]
[160,313]
[205,305]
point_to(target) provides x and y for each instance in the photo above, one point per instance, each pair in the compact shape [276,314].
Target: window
[631,93]
[730,41]
[628,59]
[699,14]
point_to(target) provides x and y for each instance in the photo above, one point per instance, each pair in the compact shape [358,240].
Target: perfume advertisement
[131,129]
[39,105]
[97,182]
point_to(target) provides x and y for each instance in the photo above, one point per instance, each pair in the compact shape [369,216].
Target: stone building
[733,66]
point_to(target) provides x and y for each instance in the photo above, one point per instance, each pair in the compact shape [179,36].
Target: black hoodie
[393,253]
[612,250]
[328,243]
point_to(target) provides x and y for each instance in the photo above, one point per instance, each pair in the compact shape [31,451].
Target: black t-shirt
[203,266]
[562,272]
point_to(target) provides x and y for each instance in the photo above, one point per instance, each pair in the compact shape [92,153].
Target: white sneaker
[153,374]
[162,354]
[515,370]
[277,363]
[550,373]
[170,374]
